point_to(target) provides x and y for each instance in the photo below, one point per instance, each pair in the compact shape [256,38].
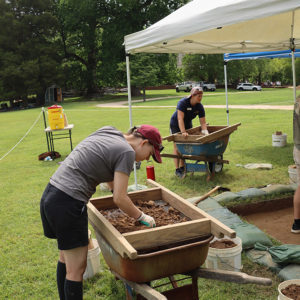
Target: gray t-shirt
[296,123]
[93,161]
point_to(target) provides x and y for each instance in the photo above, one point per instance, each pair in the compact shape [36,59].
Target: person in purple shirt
[187,109]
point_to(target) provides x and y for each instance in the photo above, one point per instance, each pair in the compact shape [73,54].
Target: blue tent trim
[256,55]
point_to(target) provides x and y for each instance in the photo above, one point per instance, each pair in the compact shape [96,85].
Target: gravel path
[124,104]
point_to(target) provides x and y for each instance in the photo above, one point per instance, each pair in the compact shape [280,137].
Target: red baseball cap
[153,136]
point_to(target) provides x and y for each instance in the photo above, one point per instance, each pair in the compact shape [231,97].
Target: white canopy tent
[220,26]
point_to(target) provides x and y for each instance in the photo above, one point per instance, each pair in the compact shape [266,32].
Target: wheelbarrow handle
[206,195]
[230,276]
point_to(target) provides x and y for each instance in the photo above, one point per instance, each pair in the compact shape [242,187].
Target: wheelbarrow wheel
[218,166]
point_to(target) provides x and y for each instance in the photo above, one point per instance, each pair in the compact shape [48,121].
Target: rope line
[22,137]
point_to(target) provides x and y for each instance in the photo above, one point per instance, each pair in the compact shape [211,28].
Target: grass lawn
[282,96]
[28,260]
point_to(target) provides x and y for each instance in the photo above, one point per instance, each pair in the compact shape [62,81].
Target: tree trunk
[144,94]
[40,99]
[90,82]
[135,92]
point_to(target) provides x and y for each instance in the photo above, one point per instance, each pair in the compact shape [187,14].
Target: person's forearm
[181,125]
[203,123]
[127,206]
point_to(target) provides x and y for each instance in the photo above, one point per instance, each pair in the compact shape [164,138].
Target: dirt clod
[162,214]
[292,291]
[222,244]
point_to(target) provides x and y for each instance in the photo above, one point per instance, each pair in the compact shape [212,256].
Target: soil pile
[222,244]
[163,214]
[292,291]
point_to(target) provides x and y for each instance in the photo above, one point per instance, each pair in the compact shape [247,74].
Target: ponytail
[133,131]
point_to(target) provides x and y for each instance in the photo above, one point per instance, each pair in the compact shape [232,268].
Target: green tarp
[283,254]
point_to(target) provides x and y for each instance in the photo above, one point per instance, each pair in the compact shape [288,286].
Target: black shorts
[175,129]
[64,218]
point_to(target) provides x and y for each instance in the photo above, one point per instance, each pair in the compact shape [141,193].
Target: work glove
[204,131]
[146,220]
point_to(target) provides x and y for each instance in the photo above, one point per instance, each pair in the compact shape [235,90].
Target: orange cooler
[56,117]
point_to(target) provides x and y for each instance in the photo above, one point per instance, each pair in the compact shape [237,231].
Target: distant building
[53,94]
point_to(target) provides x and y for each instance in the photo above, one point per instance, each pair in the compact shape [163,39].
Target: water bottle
[150,172]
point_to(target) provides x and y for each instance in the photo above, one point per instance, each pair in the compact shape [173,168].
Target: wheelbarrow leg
[210,173]
[195,287]
[129,292]
[140,289]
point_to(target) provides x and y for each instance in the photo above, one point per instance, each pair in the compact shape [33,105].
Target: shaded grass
[28,260]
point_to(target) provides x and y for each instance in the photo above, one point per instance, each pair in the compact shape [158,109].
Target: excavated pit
[274,217]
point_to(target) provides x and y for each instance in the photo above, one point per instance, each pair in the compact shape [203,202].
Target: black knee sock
[73,290]
[60,279]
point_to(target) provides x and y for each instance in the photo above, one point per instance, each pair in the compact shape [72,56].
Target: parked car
[248,87]
[184,86]
[208,86]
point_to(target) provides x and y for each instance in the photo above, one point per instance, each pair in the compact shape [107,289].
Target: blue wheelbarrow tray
[208,149]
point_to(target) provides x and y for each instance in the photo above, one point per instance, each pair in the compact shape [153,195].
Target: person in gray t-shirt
[106,155]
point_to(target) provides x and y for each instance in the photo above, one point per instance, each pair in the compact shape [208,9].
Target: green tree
[150,70]
[128,17]
[81,25]
[29,62]
[203,67]
[92,34]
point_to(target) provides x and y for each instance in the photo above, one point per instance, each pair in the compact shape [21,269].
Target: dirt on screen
[222,244]
[292,291]
[162,213]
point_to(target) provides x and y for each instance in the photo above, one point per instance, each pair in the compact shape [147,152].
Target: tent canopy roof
[257,55]
[219,26]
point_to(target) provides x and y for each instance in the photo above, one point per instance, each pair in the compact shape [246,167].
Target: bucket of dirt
[292,170]
[225,254]
[93,261]
[279,139]
[289,289]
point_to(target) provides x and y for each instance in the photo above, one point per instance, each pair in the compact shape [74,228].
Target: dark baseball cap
[153,136]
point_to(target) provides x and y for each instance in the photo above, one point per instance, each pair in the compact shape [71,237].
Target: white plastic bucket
[283,285]
[279,140]
[292,170]
[225,259]
[93,261]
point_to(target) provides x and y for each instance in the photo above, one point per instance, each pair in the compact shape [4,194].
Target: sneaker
[295,228]
[180,173]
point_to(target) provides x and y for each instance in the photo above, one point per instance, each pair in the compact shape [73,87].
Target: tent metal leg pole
[294,75]
[45,124]
[130,109]
[226,91]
